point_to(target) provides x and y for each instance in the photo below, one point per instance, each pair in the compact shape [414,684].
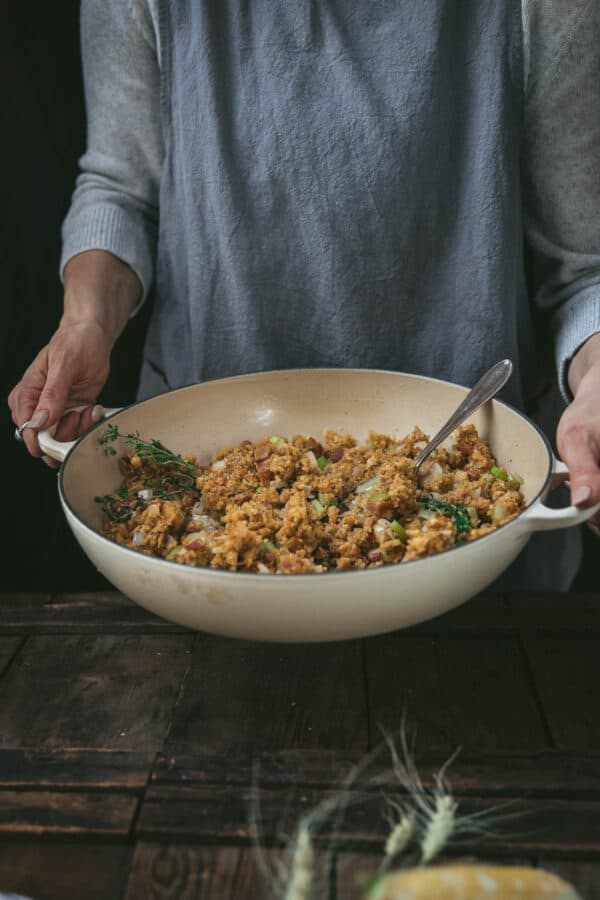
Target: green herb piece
[266,547]
[115,511]
[499,473]
[457,512]
[275,439]
[122,492]
[322,462]
[111,434]
[380,495]
[318,507]
[177,549]
[398,529]
[258,489]
[322,499]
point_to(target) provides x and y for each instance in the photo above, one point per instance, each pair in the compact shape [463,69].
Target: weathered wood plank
[255,696]
[566,672]
[550,774]
[50,812]
[92,692]
[468,691]
[8,648]
[566,828]
[76,769]
[188,872]
[584,876]
[60,870]
[98,612]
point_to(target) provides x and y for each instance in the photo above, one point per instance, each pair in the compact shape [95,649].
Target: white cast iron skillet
[202,418]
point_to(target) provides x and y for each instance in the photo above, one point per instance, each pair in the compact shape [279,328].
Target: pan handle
[59,449]
[539,517]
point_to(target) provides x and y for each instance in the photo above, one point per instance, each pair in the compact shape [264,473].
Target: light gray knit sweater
[115,202]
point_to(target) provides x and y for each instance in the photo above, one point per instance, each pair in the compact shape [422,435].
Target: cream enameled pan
[202,418]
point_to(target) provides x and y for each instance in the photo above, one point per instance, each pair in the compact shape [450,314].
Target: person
[376,185]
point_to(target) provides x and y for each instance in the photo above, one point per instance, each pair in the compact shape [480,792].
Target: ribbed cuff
[106,226]
[576,321]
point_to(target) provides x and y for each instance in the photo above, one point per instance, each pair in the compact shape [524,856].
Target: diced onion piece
[138,539]
[177,549]
[219,464]
[435,470]
[318,507]
[420,445]
[146,494]
[312,459]
[476,493]
[515,480]
[497,511]
[473,514]
[488,477]
[368,485]
[382,530]
[198,509]
[260,567]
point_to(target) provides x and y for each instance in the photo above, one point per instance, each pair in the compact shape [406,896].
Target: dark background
[42,136]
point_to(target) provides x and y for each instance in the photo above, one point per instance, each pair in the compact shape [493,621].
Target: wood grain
[567,676]
[93,692]
[8,648]
[60,870]
[550,774]
[468,691]
[252,697]
[567,828]
[188,872]
[98,612]
[75,769]
[49,812]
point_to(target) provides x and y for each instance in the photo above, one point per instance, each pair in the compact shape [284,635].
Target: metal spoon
[486,388]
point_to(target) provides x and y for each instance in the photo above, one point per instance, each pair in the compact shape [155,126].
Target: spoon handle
[486,388]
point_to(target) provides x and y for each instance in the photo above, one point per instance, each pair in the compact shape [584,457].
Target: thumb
[54,394]
[579,449]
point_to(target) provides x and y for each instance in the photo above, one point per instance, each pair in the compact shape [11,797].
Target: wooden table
[128,745]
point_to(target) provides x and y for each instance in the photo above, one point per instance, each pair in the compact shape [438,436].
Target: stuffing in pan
[299,505]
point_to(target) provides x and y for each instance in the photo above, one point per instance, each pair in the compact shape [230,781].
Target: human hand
[70,371]
[578,434]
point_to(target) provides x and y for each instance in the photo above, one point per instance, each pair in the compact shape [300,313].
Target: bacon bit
[377,507]
[375,554]
[196,545]
[315,446]
[336,454]
[246,444]
[264,472]
[295,544]
[465,447]
[261,451]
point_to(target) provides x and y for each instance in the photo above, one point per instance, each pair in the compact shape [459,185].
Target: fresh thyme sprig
[457,512]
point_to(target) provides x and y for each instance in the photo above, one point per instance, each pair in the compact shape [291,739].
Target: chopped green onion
[172,553]
[499,473]
[318,507]
[488,477]
[321,498]
[368,485]
[258,489]
[275,439]
[380,495]
[322,462]
[398,530]
[266,547]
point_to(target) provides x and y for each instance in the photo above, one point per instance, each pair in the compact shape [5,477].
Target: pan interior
[202,419]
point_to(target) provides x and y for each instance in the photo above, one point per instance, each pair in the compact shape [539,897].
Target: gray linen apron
[341,188]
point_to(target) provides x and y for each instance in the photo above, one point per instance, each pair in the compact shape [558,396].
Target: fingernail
[97,413]
[581,495]
[39,419]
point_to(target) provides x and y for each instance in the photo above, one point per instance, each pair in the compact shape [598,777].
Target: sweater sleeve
[115,203]
[561,169]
